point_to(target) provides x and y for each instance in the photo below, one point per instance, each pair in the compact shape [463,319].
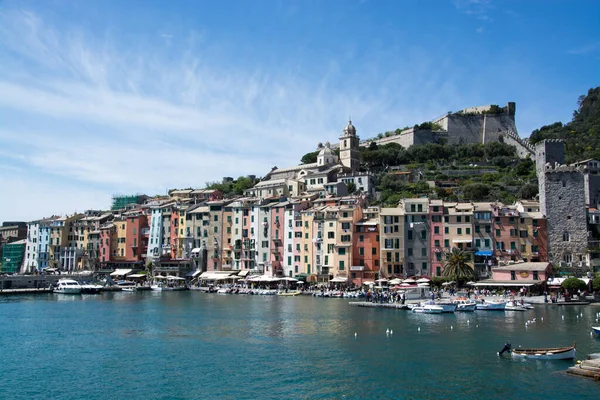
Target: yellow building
[391,230]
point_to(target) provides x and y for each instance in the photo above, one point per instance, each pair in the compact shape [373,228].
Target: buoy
[387,331]
[468,322]
[391,332]
[419,329]
[451,327]
[476,326]
[355,334]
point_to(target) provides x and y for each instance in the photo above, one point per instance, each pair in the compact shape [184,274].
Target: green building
[12,256]
[120,202]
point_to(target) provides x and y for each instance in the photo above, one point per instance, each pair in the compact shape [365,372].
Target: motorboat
[428,309]
[491,305]
[67,286]
[447,306]
[91,289]
[551,353]
[129,289]
[465,305]
[290,293]
[512,305]
[596,330]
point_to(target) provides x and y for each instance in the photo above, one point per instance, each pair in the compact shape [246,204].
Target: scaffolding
[120,202]
[12,257]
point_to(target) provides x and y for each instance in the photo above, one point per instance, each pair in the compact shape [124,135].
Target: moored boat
[492,305]
[512,305]
[551,353]
[91,289]
[428,309]
[294,293]
[67,286]
[596,330]
[465,305]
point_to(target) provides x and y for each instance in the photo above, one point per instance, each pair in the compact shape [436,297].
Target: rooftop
[524,266]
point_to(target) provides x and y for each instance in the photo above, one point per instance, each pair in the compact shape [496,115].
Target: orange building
[365,252]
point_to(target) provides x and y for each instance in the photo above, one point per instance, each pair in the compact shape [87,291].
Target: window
[459,231]
[513,276]
[477,228]
[458,219]
[341,268]
[361,238]
[436,230]
[342,251]
[423,252]
[535,276]
[468,231]
[409,252]
[410,235]
[446,243]
[361,251]
[446,230]
[488,229]
[467,218]
[477,243]
[513,246]
[436,243]
[424,235]
[374,251]
[566,237]
[446,219]
[497,232]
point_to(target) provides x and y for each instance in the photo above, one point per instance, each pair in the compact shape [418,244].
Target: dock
[25,291]
[378,305]
[587,368]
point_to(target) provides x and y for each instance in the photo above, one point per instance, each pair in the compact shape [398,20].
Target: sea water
[191,345]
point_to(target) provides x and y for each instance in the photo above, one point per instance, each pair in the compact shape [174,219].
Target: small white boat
[129,289]
[553,353]
[465,305]
[596,330]
[447,307]
[67,286]
[428,309]
[492,305]
[512,305]
[91,289]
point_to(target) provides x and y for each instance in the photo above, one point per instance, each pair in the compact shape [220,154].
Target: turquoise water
[190,345]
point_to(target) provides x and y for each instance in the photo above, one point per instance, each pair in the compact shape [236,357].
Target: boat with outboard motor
[596,330]
[544,353]
[491,305]
[465,305]
[428,309]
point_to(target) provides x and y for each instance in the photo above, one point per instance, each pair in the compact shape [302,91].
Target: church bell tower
[349,143]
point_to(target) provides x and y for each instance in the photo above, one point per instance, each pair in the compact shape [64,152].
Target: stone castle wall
[562,200]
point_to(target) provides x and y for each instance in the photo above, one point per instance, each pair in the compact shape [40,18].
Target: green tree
[528,191]
[457,266]
[572,285]
[351,187]
[242,183]
[596,282]
[309,158]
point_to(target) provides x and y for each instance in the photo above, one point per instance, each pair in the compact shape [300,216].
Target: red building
[365,252]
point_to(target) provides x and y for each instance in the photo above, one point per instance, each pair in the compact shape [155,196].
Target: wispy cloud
[479,9]
[83,111]
[585,49]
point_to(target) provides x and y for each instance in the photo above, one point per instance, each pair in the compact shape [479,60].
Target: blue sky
[139,96]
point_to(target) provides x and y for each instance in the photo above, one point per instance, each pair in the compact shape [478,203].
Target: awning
[484,253]
[137,276]
[462,240]
[193,274]
[339,279]
[480,284]
[120,272]
[196,250]
[244,272]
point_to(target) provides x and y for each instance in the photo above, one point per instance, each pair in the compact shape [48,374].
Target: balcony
[276,250]
[275,239]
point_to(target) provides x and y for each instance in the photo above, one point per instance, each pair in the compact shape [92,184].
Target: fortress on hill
[483,124]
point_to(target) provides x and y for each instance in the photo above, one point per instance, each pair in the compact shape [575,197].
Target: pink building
[277,232]
[522,273]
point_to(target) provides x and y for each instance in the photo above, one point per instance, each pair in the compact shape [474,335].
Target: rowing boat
[551,353]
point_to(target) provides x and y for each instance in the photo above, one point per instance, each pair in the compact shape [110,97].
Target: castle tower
[349,143]
[562,201]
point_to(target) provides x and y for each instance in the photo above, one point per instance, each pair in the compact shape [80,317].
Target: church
[330,175]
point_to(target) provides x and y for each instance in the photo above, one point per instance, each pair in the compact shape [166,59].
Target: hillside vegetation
[582,134]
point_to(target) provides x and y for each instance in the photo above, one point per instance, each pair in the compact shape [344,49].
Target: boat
[550,353]
[512,305]
[67,286]
[465,305]
[428,309]
[492,305]
[294,293]
[91,289]
[159,287]
[129,289]
[596,330]
[447,307]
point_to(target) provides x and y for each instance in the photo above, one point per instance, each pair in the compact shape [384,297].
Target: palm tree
[457,266]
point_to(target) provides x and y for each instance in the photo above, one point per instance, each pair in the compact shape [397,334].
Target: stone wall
[592,190]
[562,200]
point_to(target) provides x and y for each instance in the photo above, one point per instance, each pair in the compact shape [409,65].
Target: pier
[25,291]
[587,368]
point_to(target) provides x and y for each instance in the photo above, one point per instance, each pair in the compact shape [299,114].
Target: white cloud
[91,118]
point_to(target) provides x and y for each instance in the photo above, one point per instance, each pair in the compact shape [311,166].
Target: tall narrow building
[562,202]
[349,152]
